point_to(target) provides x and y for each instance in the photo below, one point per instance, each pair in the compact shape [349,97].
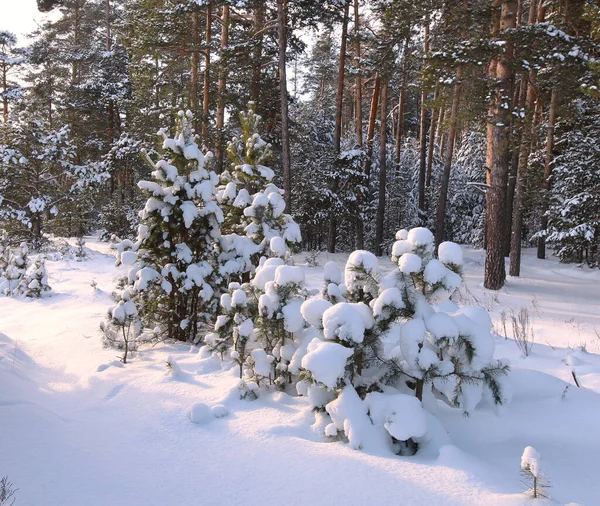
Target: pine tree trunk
[401,106]
[195,67]
[358,114]
[382,172]
[527,134]
[259,21]
[541,246]
[206,95]
[441,210]
[432,137]
[371,128]
[423,133]
[498,139]
[337,134]
[219,147]
[285,141]
[4,95]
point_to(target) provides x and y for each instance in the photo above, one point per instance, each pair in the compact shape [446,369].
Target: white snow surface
[78,427]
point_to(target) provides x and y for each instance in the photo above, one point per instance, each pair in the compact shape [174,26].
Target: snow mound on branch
[312,311]
[450,253]
[349,414]
[402,415]
[326,361]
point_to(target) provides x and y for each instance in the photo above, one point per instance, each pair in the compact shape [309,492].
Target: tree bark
[401,106]
[528,131]
[358,114]
[432,137]
[219,148]
[382,172]
[541,245]
[453,127]
[285,141]
[259,21]
[371,128]
[498,139]
[195,66]
[423,132]
[206,94]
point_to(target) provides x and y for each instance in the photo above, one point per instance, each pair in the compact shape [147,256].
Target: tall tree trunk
[337,134]
[432,136]
[206,95]
[371,128]
[285,141]
[358,80]
[519,101]
[259,21]
[358,113]
[401,106]
[423,132]
[527,134]
[219,147]
[111,103]
[541,245]
[441,132]
[4,94]
[382,172]
[497,159]
[453,127]
[195,67]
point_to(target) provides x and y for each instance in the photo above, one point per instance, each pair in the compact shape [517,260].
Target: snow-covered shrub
[173,274]
[333,287]
[255,224]
[15,269]
[80,252]
[122,328]
[399,334]
[35,282]
[532,473]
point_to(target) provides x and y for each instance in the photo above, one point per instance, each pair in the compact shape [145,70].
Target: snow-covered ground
[79,428]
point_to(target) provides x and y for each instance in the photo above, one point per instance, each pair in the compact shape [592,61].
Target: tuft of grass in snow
[522,330]
[7,492]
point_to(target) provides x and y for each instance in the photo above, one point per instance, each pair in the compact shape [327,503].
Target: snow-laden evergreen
[173,276]
[255,224]
[398,336]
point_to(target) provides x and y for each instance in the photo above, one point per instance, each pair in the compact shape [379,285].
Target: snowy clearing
[78,427]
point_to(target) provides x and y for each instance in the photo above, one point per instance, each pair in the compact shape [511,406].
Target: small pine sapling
[15,269]
[122,328]
[35,282]
[532,473]
[80,253]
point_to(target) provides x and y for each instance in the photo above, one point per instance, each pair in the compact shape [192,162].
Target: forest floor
[77,427]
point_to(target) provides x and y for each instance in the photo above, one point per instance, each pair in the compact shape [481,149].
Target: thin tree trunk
[4,94]
[382,172]
[219,148]
[423,133]
[259,21]
[401,106]
[541,245]
[358,80]
[195,66]
[337,134]
[527,134]
[285,141]
[371,128]
[441,131]
[206,95]
[358,114]
[432,137]
[453,127]
[498,138]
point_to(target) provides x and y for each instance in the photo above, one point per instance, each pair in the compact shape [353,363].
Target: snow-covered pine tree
[174,269]
[16,266]
[122,328]
[35,282]
[399,334]
[253,207]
